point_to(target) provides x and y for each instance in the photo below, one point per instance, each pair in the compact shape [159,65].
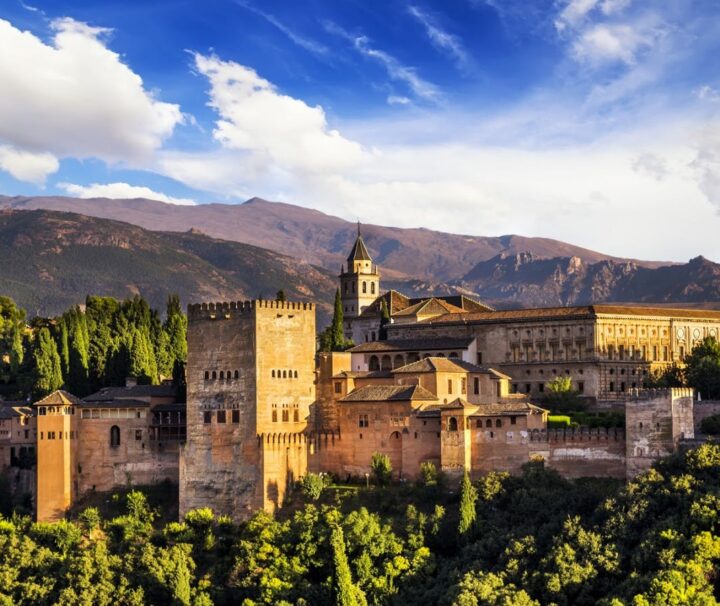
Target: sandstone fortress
[445,379]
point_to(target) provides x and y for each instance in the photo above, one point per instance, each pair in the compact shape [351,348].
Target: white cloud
[395,69]
[31,167]
[73,97]
[708,93]
[444,41]
[120,191]
[651,165]
[275,129]
[610,43]
[398,100]
[707,163]
[574,13]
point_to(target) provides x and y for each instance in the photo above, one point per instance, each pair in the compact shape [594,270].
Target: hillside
[516,280]
[51,260]
[318,238]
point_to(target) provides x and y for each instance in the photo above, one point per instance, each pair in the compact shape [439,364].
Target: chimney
[130,381]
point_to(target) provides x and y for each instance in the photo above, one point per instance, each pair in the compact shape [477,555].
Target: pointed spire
[359,251]
[358,228]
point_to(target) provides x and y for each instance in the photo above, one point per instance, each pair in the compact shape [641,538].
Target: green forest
[85,349]
[504,540]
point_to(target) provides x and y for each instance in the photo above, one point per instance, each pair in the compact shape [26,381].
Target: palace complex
[446,380]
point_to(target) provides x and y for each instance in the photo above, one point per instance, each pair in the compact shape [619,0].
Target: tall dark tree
[468,497]
[47,374]
[384,319]
[280,296]
[702,368]
[337,331]
[345,592]
[12,326]
[77,377]
[176,329]
[102,314]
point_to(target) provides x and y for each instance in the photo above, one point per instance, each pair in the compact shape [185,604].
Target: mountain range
[58,249]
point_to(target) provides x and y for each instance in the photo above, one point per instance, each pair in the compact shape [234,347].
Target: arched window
[214,374]
[399,361]
[222,375]
[237,374]
[207,375]
[274,416]
[488,423]
[454,354]
[284,375]
[273,374]
[452,424]
[498,423]
[114,436]
[296,375]
[386,363]
[374,363]
[364,287]
[372,288]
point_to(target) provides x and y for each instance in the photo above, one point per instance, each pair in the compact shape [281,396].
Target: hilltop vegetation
[528,540]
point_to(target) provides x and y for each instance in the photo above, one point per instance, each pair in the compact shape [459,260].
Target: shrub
[429,473]
[313,485]
[381,468]
[711,425]
[558,421]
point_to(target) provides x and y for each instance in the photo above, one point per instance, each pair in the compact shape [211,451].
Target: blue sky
[591,121]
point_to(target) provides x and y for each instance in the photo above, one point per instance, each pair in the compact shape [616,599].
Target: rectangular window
[338,387]
[449,385]
[528,387]
[612,386]
[581,386]
[285,416]
[235,416]
[221,416]
[479,358]
[138,434]
[655,353]
[541,387]
[476,386]
[513,420]
[665,353]
[463,386]
[207,417]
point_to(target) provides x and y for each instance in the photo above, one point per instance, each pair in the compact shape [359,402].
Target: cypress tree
[336,328]
[77,378]
[345,593]
[176,329]
[384,319]
[468,496]
[63,348]
[102,314]
[48,374]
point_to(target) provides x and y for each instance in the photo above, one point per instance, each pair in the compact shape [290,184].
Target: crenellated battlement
[580,434]
[661,392]
[226,309]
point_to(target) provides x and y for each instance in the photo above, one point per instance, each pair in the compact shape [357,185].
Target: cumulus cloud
[73,97]
[120,191]
[31,167]
[604,43]
[275,129]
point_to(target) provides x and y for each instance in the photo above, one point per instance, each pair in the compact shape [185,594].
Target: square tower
[250,387]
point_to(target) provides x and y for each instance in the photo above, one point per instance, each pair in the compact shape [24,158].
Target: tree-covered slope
[532,539]
[51,260]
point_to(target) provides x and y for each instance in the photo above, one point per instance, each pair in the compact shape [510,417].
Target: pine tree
[468,496]
[48,374]
[345,592]
[336,327]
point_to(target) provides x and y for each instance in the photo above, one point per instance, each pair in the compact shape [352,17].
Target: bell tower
[360,284]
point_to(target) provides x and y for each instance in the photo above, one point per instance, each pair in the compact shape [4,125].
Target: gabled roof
[395,301]
[116,403]
[385,393]
[429,306]
[459,403]
[11,411]
[59,398]
[432,344]
[441,365]
[363,374]
[359,251]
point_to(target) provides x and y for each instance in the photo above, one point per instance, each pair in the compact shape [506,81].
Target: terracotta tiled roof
[565,313]
[413,345]
[135,391]
[385,393]
[441,365]
[429,306]
[59,398]
[116,403]
[359,252]
[363,374]
[395,301]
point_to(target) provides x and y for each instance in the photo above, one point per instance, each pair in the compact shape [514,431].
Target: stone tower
[56,455]
[250,387]
[360,284]
[655,422]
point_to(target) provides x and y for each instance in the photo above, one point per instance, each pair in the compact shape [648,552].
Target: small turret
[360,284]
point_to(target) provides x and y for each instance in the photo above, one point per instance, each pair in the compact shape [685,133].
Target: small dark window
[235,416]
[541,387]
[221,416]
[274,416]
[207,417]
[273,374]
[612,386]
[488,423]
[452,424]
[513,420]
[296,416]
[114,436]
[498,422]
[581,386]
[528,387]
[295,374]
[222,375]
[476,385]
[207,375]
[138,434]
[237,374]
[214,374]
[338,387]
[285,416]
